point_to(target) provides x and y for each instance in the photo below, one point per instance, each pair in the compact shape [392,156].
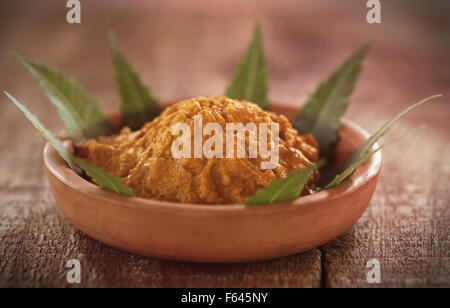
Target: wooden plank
[37,241]
[406,225]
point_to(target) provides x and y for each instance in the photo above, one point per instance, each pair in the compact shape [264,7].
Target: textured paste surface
[144,161]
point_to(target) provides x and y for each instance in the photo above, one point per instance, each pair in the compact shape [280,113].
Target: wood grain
[184,50]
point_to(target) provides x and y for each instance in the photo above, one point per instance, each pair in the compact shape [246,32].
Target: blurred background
[191,48]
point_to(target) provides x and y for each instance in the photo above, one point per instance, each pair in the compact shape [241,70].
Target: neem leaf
[54,142]
[324,108]
[98,175]
[81,115]
[250,80]
[346,173]
[103,178]
[363,153]
[138,106]
[285,189]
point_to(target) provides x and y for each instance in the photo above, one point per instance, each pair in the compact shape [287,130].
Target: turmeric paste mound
[144,160]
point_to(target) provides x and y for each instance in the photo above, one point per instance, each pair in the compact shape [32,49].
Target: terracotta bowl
[216,233]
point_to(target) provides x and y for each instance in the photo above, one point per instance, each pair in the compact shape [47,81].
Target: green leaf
[98,175]
[138,106]
[363,153]
[250,80]
[52,140]
[324,108]
[346,173]
[81,115]
[285,189]
[103,178]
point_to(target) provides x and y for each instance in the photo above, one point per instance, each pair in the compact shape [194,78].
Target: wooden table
[184,50]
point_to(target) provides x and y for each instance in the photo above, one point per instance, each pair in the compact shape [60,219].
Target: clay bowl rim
[70,179]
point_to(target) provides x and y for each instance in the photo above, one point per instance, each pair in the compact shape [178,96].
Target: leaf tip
[257,33]
[111,34]
[364,50]
[368,45]
[10,97]
[112,40]
[17,56]
[25,62]
[257,27]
